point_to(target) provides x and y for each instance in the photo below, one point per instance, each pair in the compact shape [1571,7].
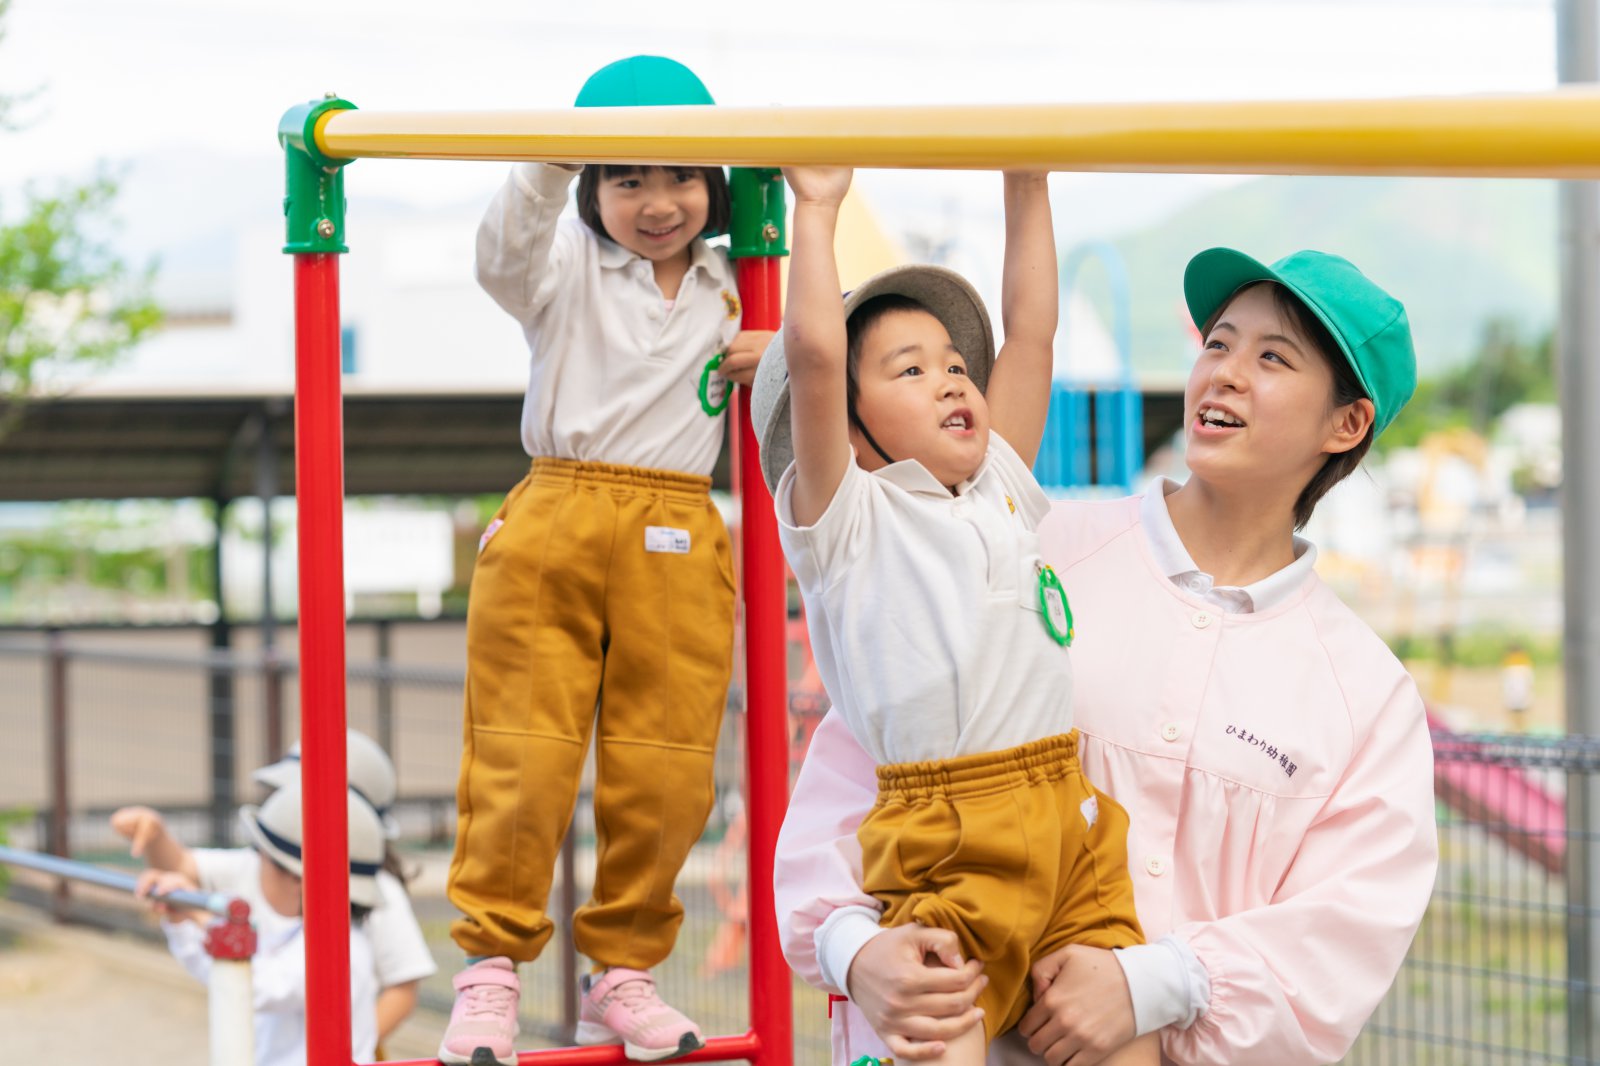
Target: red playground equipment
[314,207]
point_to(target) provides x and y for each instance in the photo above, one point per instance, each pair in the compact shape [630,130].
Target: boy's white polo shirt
[924,609]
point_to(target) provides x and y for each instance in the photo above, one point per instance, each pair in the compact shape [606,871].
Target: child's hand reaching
[141,825]
[819,185]
[153,884]
[744,355]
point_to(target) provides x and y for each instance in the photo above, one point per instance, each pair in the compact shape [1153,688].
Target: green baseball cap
[1368,324]
[643,81]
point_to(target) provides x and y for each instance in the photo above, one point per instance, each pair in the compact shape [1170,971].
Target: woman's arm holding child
[814,343]
[1019,385]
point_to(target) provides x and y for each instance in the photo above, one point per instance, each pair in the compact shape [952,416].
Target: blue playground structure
[1094,437]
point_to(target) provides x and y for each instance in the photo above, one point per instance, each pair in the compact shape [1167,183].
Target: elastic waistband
[572,471]
[1037,761]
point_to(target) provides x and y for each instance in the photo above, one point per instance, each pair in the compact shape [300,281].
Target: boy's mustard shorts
[1013,851]
[603,595]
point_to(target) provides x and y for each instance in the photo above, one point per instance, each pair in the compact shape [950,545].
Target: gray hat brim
[946,294]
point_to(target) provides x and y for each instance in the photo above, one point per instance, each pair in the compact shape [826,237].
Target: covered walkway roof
[212,445]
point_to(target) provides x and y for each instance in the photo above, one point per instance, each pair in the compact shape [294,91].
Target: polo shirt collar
[1179,566]
[911,476]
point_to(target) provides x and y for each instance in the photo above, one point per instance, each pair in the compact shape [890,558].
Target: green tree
[68,302]
[1509,367]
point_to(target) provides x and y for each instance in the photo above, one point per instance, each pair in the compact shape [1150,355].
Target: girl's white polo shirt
[924,609]
[615,373]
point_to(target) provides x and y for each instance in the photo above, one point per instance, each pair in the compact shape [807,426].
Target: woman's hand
[1081,1011]
[819,185]
[915,991]
[744,355]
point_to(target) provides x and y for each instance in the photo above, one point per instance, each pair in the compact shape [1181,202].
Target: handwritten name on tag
[666,539]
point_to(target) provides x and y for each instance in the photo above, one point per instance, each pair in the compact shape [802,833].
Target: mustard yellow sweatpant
[597,586]
[1013,851]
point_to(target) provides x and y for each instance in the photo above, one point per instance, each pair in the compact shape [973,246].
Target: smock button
[1201,619]
[1170,731]
[1155,866]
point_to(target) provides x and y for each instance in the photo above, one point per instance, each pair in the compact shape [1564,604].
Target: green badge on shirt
[1053,602]
[710,407]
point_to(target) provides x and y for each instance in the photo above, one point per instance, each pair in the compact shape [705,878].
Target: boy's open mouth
[959,420]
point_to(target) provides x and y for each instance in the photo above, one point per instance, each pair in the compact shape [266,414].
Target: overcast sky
[120,78]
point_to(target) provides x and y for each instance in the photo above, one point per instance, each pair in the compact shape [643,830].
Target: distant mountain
[1457,252]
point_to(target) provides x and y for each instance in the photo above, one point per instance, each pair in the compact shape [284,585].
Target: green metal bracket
[758,213]
[313,202]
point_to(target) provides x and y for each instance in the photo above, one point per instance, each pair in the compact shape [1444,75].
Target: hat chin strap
[855,420]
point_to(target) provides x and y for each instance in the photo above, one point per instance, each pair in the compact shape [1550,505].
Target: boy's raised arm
[814,343]
[1019,386]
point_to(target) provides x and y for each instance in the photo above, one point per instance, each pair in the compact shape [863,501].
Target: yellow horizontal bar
[1551,134]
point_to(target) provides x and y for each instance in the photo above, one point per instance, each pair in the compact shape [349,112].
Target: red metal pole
[766,693]
[319,494]
[746,1048]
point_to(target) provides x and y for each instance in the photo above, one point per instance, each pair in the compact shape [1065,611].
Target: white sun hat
[274,829]
[368,770]
[946,295]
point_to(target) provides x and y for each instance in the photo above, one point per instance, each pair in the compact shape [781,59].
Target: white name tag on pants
[666,539]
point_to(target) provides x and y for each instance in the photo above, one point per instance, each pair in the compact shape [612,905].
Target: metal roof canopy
[209,446]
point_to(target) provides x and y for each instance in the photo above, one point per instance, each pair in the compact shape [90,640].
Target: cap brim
[945,293]
[1217,273]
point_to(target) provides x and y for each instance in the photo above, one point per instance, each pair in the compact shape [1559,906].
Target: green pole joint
[758,227]
[313,202]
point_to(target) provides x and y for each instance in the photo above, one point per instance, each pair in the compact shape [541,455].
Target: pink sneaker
[622,1005]
[483,1025]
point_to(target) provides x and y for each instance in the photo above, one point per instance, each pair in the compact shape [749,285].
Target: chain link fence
[93,721]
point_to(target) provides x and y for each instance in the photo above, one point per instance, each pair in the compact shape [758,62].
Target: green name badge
[1053,603]
[707,404]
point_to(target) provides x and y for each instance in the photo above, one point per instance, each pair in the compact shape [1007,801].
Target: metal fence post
[569,946]
[385,689]
[60,807]
[223,734]
[1578,42]
[272,678]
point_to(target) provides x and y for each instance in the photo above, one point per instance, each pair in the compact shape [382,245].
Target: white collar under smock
[1181,569]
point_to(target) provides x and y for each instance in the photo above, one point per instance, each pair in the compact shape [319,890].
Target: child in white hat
[909,515]
[401,956]
[267,876]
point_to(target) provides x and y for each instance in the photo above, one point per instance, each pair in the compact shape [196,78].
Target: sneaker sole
[481,1056]
[591,1034]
